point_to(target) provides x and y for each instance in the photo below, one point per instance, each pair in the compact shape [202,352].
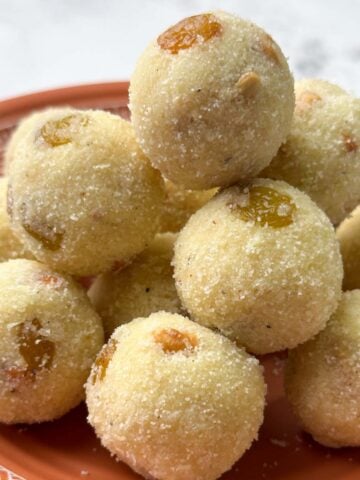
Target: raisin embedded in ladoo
[175,400]
[25,128]
[211,100]
[49,338]
[321,155]
[83,196]
[261,263]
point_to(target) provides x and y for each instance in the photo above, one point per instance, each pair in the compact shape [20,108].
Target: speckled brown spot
[248,84]
[306,99]
[119,265]
[102,361]
[16,374]
[172,340]
[264,206]
[97,214]
[49,279]
[189,32]
[349,143]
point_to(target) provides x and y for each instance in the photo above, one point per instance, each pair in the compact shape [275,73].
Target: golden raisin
[264,206]
[102,361]
[172,341]
[60,132]
[37,351]
[248,84]
[306,99]
[48,236]
[189,32]
[349,143]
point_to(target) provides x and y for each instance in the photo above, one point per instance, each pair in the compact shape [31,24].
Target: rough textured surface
[144,287]
[175,400]
[348,234]
[83,196]
[24,128]
[322,378]
[49,337]
[264,268]
[10,246]
[215,112]
[322,153]
[180,204]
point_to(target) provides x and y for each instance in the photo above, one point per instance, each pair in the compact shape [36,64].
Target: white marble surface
[49,43]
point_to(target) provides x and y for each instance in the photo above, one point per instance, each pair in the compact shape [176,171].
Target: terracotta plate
[68,449]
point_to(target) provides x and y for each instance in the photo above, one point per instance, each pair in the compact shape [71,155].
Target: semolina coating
[144,287]
[175,400]
[49,338]
[321,155]
[348,234]
[25,127]
[261,263]
[211,100]
[180,204]
[322,379]
[82,196]
[10,245]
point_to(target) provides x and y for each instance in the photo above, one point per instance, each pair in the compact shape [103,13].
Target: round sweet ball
[348,234]
[49,338]
[260,263]
[322,378]
[175,400]
[211,100]
[180,204]
[321,155]
[25,127]
[10,245]
[82,196]
[144,287]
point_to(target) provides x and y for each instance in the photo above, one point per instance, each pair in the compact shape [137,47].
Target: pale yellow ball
[49,338]
[261,263]
[211,100]
[82,195]
[321,155]
[175,400]
[322,378]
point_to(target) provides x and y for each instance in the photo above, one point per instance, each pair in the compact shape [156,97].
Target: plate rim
[18,105]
